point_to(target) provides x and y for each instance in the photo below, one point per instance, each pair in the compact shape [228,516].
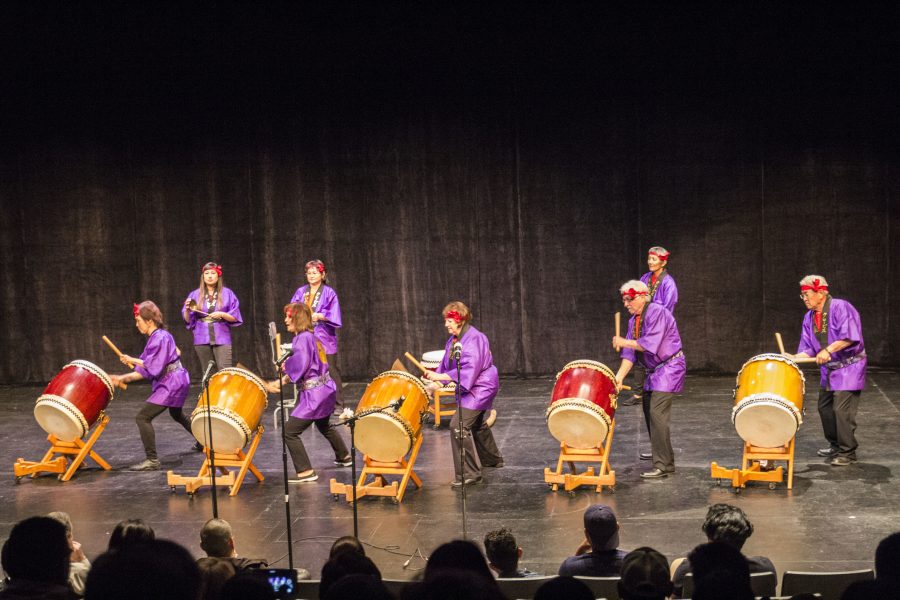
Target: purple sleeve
[667,293]
[232,306]
[192,319]
[297,365]
[330,307]
[156,355]
[298,295]
[808,342]
[653,329]
[845,323]
[444,366]
[629,353]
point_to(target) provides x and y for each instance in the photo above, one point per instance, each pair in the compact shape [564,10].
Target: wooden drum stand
[244,462]
[77,448]
[571,481]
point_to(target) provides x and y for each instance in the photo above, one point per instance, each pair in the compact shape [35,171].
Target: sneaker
[646,456]
[150,464]
[827,452]
[843,461]
[654,474]
[305,479]
[344,462]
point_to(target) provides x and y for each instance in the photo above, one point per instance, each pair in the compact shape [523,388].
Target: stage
[831,520]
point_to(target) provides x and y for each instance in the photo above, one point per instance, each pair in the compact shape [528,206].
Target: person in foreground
[599,554]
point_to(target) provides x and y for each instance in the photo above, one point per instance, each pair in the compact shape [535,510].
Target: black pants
[292,432]
[657,410]
[479,449]
[144,420]
[837,408]
[221,354]
[336,376]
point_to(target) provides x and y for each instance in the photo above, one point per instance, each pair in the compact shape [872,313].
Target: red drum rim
[588,364]
[96,371]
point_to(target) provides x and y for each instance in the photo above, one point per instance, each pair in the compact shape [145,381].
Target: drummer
[478,384]
[663,291]
[832,332]
[652,332]
[212,332]
[326,315]
[159,362]
[309,370]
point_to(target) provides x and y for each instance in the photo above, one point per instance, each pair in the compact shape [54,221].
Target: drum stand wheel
[379,485]
[571,481]
[752,471]
[80,449]
[233,480]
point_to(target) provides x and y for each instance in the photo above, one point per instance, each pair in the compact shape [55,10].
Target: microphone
[396,404]
[272,331]
[456,351]
[209,369]
[287,354]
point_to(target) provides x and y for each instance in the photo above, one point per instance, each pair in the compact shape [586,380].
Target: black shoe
[633,401]
[843,461]
[497,466]
[646,456]
[197,447]
[458,484]
[150,464]
[654,474]
[827,452]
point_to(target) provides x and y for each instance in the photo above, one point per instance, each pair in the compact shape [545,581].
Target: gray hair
[658,250]
[638,286]
[808,280]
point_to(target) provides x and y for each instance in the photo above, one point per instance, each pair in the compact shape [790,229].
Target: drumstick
[109,343]
[780,342]
[618,324]
[415,362]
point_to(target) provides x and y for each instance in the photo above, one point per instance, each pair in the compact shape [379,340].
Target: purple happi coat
[304,365]
[843,322]
[661,341]
[167,389]
[222,329]
[478,379]
[325,302]
[666,291]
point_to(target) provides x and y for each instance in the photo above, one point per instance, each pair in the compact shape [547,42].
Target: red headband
[320,268]
[452,314]
[814,287]
[290,313]
[216,268]
[660,256]
[137,310]
[633,293]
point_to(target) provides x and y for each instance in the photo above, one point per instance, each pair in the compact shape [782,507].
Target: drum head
[432,359]
[766,424]
[577,425]
[57,416]
[228,435]
[382,438]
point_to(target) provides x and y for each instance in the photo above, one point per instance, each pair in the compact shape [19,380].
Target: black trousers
[657,411]
[292,432]
[221,354]
[144,420]
[336,375]
[837,408]
[479,447]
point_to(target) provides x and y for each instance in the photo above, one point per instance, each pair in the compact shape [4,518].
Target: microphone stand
[351,423]
[279,368]
[462,450]
[210,452]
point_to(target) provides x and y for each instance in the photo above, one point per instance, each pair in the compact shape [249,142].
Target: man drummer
[654,343]
[832,333]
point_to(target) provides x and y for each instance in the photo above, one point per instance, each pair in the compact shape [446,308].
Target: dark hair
[215,538]
[722,585]
[887,559]
[147,571]
[247,585]
[130,532]
[300,315]
[453,584]
[358,587]
[347,543]
[728,524]
[214,573]
[723,561]
[343,564]
[564,587]
[37,550]
[201,291]
[461,555]
[149,311]
[501,549]
[645,575]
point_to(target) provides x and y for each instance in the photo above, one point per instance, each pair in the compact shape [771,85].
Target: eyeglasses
[806,295]
[628,299]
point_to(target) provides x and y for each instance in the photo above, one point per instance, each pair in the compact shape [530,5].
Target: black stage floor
[831,520]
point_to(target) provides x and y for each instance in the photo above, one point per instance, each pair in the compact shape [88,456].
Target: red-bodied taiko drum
[73,400]
[237,400]
[768,401]
[583,404]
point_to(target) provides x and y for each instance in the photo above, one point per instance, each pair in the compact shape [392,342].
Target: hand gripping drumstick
[415,362]
[780,342]
[778,339]
[112,346]
[618,333]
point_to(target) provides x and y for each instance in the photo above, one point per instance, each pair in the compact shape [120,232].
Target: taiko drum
[583,404]
[73,400]
[768,401]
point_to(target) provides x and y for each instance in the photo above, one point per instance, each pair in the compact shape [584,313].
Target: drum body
[73,400]
[583,404]
[383,434]
[768,401]
[237,400]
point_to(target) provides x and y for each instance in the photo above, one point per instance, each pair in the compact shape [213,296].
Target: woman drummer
[309,370]
[219,312]
[326,315]
[159,362]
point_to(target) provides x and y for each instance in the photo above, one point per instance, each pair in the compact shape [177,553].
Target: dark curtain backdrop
[522,163]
